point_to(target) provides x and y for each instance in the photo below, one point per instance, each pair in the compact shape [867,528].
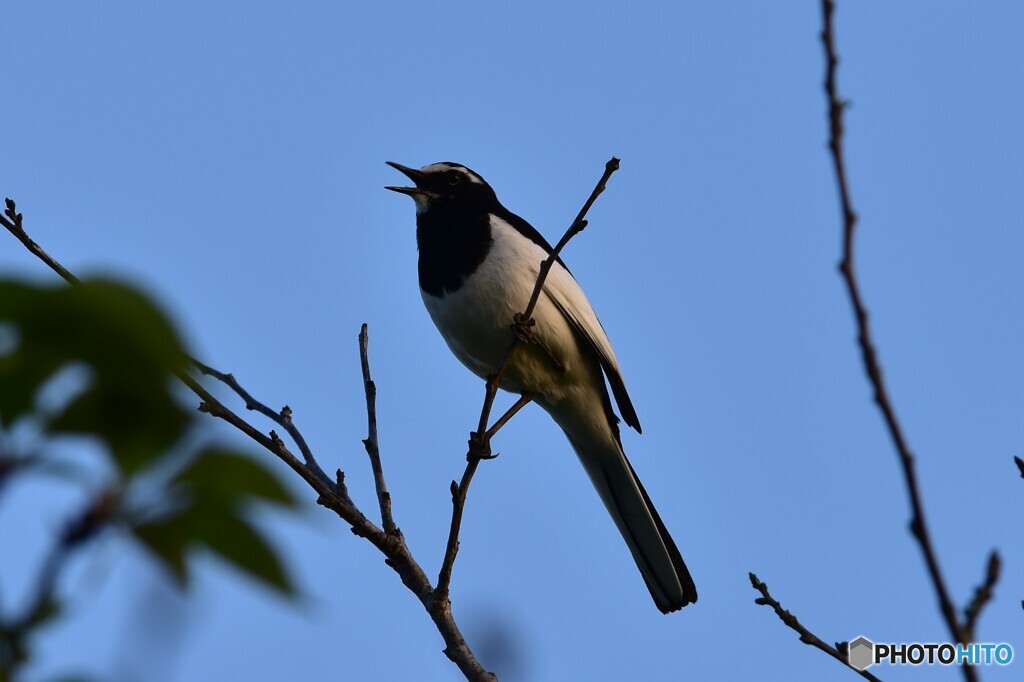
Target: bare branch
[578,225]
[282,418]
[918,524]
[1020,465]
[371,442]
[331,494]
[459,492]
[806,636]
[982,595]
[480,440]
[392,545]
[13,223]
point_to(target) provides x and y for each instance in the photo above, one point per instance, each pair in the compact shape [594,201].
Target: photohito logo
[863,653]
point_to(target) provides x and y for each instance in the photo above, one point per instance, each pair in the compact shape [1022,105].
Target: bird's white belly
[476,319]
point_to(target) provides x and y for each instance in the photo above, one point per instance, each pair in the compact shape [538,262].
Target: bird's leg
[479,440]
[480,444]
[524,400]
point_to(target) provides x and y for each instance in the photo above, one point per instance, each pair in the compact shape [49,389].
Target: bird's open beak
[411,173]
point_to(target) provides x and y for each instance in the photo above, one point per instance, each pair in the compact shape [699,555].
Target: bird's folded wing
[563,290]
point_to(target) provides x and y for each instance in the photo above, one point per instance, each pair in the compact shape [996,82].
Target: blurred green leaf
[167,539]
[28,365]
[240,544]
[21,375]
[137,425]
[130,353]
[221,530]
[122,335]
[225,476]
[109,325]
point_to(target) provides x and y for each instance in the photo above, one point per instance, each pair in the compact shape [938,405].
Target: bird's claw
[523,328]
[480,447]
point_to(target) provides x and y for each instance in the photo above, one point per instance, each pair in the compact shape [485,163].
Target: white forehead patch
[445,166]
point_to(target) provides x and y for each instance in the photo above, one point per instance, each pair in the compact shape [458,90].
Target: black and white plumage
[478,264]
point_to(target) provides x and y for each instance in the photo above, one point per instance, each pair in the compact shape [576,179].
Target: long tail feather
[653,549]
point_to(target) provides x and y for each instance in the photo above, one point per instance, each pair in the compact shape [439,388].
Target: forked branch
[332,493]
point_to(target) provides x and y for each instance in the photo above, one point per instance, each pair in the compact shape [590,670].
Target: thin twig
[371,442]
[13,223]
[331,495]
[806,636]
[282,418]
[982,595]
[578,225]
[398,555]
[1020,467]
[271,442]
[918,525]
[459,492]
[479,440]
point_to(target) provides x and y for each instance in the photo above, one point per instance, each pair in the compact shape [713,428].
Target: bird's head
[446,185]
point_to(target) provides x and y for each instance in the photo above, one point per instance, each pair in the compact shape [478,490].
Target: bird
[478,265]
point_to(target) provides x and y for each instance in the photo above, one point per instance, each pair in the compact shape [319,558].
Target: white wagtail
[478,265]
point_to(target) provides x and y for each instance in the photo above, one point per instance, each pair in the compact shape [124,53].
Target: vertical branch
[459,492]
[918,525]
[372,446]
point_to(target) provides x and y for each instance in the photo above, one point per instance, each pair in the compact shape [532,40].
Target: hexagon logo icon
[861,653]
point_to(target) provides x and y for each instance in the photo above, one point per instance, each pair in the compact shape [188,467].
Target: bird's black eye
[454,177]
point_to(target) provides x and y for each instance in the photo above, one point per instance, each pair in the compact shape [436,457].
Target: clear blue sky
[230,158]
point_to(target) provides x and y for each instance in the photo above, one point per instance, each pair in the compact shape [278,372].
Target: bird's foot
[523,329]
[480,446]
